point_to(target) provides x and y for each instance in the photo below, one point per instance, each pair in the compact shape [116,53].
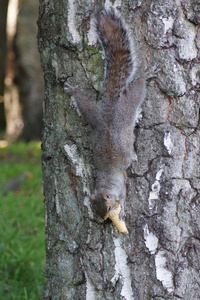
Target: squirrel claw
[68,88]
[152,71]
[122,214]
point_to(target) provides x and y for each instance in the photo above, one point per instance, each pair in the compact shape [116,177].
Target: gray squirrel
[113,118]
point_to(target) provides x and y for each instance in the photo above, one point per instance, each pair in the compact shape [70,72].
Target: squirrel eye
[109,207]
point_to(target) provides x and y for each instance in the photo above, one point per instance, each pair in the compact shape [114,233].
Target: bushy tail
[120,66]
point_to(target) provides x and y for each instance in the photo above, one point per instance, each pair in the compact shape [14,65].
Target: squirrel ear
[106,197]
[92,198]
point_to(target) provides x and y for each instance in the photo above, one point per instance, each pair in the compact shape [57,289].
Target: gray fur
[114,118]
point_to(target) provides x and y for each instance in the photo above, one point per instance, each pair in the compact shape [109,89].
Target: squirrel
[113,118]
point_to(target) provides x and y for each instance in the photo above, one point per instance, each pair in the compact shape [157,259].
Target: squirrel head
[104,204]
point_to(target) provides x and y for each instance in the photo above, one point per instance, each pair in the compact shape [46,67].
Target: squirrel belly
[113,119]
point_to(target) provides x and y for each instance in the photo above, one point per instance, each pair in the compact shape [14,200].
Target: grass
[22,237]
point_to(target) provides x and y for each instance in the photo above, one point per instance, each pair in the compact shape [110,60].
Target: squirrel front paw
[122,214]
[69,88]
[152,71]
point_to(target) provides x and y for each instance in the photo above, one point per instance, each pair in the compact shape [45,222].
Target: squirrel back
[120,65]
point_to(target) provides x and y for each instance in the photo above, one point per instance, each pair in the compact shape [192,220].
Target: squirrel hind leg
[69,88]
[151,72]
[89,109]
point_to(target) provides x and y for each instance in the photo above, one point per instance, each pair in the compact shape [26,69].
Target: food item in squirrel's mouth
[114,217]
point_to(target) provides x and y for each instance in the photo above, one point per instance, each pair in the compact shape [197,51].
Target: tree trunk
[3,19]
[29,75]
[14,121]
[24,81]
[88,258]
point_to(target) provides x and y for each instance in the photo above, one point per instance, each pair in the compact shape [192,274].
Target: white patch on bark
[164,275]
[81,171]
[179,79]
[72,22]
[187,47]
[73,103]
[155,190]
[58,208]
[194,75]
[109,4]
[92,34]
[77,161]
[55,65]
[168,23]
[117,3]
[168,142]
[122,270]
[90,291]
[151,241]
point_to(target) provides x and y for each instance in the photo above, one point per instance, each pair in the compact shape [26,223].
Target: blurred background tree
[22,237]
[21,82]
[3,18]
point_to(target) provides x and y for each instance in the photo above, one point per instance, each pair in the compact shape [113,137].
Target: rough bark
[86,257]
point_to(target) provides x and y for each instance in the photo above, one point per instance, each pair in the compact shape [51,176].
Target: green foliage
[22,237]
